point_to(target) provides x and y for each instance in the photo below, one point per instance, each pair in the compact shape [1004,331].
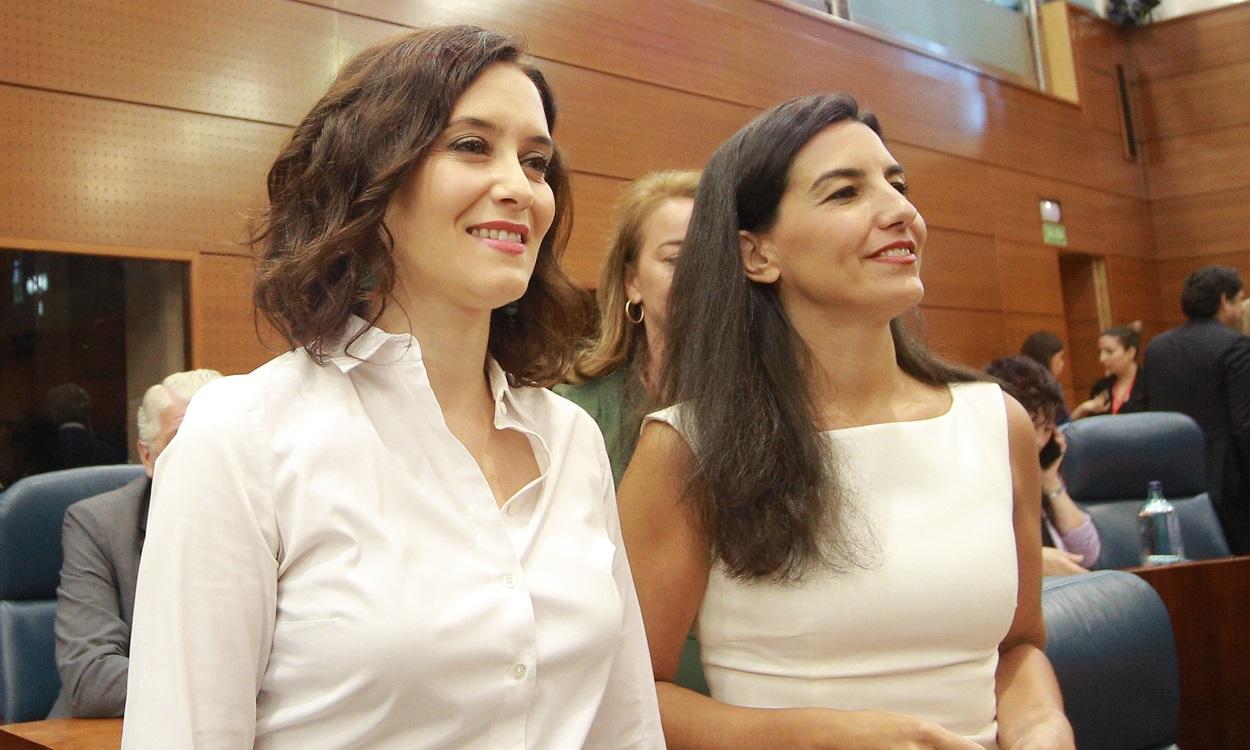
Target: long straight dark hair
[769,494]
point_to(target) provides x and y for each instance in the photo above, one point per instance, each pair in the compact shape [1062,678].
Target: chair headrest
[31,512]
[1113,457]
[1109,639]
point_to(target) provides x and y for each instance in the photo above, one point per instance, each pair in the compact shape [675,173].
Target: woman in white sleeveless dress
[848,523]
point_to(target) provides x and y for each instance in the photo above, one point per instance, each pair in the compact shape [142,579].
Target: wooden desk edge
[62,734]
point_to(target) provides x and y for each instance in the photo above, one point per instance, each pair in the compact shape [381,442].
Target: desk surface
[63,734]
[1209,604]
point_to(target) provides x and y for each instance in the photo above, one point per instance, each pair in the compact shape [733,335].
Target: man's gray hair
[180,386]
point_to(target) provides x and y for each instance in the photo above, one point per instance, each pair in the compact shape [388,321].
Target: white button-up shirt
[326,567]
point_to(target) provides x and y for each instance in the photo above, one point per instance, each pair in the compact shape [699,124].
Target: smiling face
[1114,357]
[846,237]
[649,277]
[469,220]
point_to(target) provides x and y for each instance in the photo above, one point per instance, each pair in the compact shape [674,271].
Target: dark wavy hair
[324,251]
[1206,287]
[768,491]
[1041,347]
[1030,383]
[1128,336]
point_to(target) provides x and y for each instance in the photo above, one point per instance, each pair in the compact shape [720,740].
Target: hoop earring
[629,314]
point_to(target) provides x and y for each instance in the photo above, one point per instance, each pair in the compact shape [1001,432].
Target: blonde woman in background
[615,373]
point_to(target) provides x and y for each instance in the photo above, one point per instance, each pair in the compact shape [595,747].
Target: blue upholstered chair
[1111,459]
[1109,639]
[31,512]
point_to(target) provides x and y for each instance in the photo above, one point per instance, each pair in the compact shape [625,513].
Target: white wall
[1173,8]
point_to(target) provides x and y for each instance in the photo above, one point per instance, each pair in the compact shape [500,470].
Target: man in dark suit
[102,538]
[1202,369]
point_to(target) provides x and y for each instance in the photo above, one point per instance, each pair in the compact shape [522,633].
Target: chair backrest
[1111,459]
[31,513]
[1109,639]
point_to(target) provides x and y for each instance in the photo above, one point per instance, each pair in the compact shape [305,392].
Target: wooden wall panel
[958,270]
[949,192]
[1096,44]
[1195,101]
[663,128]
[266,61]
[1203,40]
[356,33]
[94,171]
[1100,100]
[1193,74]
[593,198]
[1199,162]
[227,340]
[1098,223]
[970,337]
[1029,277]
[164,141]
[1133,288]
[1202,224]
[716,50]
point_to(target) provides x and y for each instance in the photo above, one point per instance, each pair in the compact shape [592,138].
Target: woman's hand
[1056,562]
[1050,474]
[821,729]
[1099,404]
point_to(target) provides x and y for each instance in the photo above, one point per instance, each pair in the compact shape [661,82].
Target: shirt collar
[376,345]
[372,345]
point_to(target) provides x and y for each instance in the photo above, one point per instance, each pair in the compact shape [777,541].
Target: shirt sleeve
[91,636]
[206,597]
[629,714]
[1083,540]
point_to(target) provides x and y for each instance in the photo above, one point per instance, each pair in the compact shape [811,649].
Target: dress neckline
[951,388]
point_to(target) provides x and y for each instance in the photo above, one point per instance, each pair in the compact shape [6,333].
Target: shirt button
[518,671]
[509,580]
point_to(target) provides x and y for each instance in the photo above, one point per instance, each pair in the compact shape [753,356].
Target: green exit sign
[1054,234]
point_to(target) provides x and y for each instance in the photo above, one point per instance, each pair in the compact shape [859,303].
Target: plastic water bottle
[1160,529]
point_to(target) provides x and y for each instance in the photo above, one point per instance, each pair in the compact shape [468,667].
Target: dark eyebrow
[479,123]
[894,170]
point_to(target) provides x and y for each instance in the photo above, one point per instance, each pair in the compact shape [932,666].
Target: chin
[505,292]
[912,293]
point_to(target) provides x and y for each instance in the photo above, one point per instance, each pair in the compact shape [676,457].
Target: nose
[511,184]
[895,210]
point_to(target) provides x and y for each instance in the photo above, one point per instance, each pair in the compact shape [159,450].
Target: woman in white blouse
[390,537]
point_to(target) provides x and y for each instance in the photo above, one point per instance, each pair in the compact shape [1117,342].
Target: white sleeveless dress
[917,631]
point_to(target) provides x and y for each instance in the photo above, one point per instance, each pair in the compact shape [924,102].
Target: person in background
[1202,369]
[1120,391]
[615,375]
[69,411]
[102,539]
[850,524]
[1047,349]
[1070,539]
[394,535]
